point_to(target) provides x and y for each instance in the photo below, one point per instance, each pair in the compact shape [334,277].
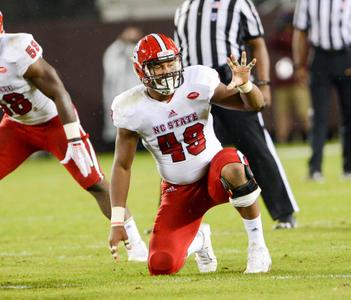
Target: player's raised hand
[240,71]
[77,151]
[117,235]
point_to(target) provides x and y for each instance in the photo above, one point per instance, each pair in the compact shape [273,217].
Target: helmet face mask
[154,54]
[164,83]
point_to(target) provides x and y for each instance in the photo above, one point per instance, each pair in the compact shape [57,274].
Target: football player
[39,115]
[170,111]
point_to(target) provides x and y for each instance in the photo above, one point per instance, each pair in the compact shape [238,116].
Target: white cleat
[205,258]
[258,259]
[138,252]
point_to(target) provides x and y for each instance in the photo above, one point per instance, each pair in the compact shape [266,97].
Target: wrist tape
[245,88]
[72,130]
[117,216]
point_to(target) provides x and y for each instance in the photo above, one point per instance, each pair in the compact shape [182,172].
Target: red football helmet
[1,24]
[152,50]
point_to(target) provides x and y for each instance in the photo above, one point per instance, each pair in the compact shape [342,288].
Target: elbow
[254,105]
[259,103]
[259,106]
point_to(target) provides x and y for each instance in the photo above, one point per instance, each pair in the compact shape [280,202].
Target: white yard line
[313,277]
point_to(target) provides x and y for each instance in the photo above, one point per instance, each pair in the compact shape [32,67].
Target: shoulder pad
[202,75]
[21,50]
[125,106]
[16,45]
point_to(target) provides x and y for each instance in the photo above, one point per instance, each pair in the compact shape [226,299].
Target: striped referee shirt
[208,31]
[328,22]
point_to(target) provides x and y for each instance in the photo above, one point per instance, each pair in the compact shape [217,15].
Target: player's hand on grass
[118,234]
[240,71]
[77,151]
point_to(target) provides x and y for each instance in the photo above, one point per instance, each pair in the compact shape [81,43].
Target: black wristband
[262,82]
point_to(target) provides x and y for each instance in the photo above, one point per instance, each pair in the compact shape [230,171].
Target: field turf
[53,239]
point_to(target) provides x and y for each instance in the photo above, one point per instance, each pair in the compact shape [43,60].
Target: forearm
[254,99]
[65,107]
[126,144]
[119,186]
[300,48]
[55,90]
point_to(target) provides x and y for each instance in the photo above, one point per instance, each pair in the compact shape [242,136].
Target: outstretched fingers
[232,62]
[243,59]
[251,64]
[240,71]
[114,249]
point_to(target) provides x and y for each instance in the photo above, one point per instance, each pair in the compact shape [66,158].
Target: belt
[332,51]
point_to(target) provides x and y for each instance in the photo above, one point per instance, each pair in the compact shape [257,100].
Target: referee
[207,32]
[323,30]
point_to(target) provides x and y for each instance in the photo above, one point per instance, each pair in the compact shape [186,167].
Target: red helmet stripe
[1,23]
[159,41]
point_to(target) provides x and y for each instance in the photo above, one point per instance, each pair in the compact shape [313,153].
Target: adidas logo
[171,189]
[172,113]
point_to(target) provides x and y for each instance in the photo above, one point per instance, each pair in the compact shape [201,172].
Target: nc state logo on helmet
[152,51]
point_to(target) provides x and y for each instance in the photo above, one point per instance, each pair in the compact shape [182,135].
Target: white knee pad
[246,200]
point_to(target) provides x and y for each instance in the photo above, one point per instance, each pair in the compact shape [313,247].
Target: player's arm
[241,93]
[300,53]
[45,78]
[259,50]
[125,148]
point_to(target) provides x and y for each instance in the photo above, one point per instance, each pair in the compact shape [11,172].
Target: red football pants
[19,141]
[179,216]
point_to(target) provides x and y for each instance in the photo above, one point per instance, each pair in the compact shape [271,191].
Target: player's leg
[320,88]
[230,174]
[15,146]
[320,103]
[176,226]
[94,183]
[343,85]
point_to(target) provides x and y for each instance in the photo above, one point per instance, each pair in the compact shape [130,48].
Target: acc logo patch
[193,95]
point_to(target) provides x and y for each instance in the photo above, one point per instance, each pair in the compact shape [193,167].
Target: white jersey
[178,133]
[19,99]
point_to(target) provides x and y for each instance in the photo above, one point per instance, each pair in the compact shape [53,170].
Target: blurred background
[75,35]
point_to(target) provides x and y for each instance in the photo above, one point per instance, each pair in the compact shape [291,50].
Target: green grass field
[53,240]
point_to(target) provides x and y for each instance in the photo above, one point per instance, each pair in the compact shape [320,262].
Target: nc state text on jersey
[175,123]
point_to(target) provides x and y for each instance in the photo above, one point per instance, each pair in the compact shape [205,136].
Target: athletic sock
[197,243]
[132,231]
[254,231]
